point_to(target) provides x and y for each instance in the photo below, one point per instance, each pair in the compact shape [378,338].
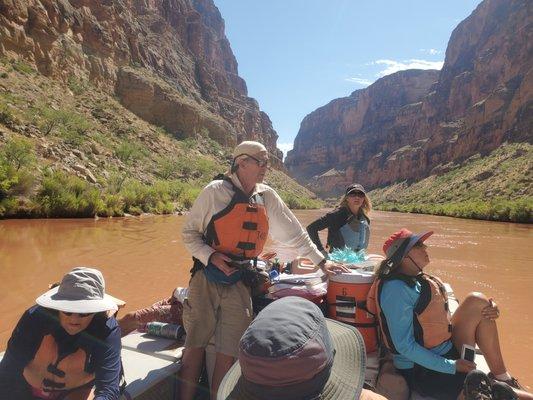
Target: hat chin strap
[413,261]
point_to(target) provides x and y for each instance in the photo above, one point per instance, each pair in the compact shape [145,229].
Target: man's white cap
[248,147]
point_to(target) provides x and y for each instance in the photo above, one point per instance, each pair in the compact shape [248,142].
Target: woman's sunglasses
[356,194]
[81,315]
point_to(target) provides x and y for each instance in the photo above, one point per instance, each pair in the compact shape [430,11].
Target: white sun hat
[248,148]
[82,290]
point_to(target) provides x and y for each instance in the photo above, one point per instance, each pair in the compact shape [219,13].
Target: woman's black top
[344,229]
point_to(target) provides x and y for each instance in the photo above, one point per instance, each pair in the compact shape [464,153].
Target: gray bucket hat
[290,351]
[82,290]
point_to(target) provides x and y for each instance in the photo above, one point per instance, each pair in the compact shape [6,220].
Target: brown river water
[143,260]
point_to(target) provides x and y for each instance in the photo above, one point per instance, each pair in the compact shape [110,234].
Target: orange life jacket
[241,229]
[50,371]
[431,314]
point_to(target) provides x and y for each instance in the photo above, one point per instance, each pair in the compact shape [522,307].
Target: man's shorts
[224,311]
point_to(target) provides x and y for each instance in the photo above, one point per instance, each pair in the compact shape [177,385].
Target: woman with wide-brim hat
[425,339]
[291,352]
[348,224]
[67,346]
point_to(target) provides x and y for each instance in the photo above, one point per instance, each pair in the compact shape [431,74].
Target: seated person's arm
[107,374]
[20,350]
[397,306]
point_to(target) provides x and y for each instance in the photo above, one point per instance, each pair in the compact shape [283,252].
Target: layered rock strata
[167,60]
[406,124]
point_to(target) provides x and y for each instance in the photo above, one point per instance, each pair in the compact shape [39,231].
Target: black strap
[249,226]
[196,266]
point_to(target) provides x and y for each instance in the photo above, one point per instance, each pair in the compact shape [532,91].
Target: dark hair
[385,267]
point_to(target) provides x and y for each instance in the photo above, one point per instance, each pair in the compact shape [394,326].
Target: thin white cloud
[359,81]
[285,147]
[433,52]
[393,66]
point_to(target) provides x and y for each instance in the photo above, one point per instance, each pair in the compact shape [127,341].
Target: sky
[298,55]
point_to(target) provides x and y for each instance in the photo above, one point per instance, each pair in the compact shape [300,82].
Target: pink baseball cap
[401,242]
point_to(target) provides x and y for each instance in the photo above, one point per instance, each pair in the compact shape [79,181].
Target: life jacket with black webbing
[431,313]
[56,369]
[239,231]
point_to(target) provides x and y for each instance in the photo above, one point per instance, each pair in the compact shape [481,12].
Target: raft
[151,365]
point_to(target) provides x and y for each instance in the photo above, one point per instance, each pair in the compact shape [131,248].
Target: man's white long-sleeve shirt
[283,225]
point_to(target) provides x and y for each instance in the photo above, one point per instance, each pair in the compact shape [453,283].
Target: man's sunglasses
[260,163]
[81,315]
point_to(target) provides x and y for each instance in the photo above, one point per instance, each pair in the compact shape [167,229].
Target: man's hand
[332,268]
[220,260]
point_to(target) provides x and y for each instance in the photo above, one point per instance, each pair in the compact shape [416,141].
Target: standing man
[229,223]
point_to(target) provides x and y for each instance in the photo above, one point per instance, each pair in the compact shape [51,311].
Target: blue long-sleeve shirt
[100,341]
[397,300]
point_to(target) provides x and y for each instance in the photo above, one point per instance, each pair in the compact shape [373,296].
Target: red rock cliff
[403,126]
[167,60]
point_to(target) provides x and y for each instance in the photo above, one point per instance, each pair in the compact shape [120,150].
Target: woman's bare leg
[470,327]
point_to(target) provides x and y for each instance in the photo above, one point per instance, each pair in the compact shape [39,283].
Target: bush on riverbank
[28,191]
[493,210]
[497,186]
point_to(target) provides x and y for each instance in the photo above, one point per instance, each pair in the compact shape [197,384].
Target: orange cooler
[346,298]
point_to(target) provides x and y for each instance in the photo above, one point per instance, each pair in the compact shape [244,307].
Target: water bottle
[171,331]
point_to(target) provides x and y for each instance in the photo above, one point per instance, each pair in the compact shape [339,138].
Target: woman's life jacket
[54,368]
[344,229]
[239,231]
[431,315]
[43,358]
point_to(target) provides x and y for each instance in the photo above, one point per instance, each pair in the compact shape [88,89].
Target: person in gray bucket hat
[291,352]
[67,345]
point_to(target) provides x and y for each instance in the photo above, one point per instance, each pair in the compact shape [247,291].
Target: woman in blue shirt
[418,329]
[348,225]
[66,346]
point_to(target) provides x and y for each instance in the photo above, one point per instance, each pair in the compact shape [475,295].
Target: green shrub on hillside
[22,67]
[299,202]
[129,152]
[17,177]
[495,209]
[167,167]
[18,152]
[7,117]
[63,195]
[77,85]
[67,124]
[189,195]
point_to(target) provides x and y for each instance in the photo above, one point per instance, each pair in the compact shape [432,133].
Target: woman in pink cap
[424,338]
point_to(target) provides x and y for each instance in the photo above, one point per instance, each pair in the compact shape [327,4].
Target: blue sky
[297,55]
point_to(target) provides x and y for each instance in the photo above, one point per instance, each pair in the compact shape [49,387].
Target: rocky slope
[408,125]
[72,150]
[168,61]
